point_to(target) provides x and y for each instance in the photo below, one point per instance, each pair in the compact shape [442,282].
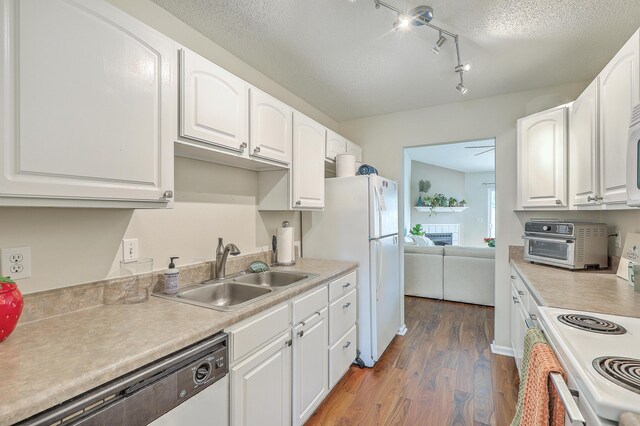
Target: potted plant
[417,230]
[452,202]
[491,242]
[423,187]
[462,203]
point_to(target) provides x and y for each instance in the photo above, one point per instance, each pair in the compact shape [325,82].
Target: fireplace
[441,239]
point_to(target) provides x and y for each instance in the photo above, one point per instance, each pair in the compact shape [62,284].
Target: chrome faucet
[221,257]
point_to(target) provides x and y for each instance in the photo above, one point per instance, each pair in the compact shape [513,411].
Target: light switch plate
[16,262]
[130,249]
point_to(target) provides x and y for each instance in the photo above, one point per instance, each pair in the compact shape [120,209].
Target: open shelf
[441,209]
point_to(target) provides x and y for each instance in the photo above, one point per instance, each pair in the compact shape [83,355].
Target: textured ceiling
[340,56]
[466,157]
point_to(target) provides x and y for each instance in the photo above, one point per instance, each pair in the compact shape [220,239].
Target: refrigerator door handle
[379,267]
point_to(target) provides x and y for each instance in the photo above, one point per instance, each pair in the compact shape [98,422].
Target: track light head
[401,23]
[462,89]
[462,68]
[421,14]
[441,41]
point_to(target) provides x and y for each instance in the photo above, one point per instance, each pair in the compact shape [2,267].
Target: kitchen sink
[234,292]
[272,278]
[223,296]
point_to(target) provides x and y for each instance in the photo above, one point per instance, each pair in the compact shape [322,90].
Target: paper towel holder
[280,244]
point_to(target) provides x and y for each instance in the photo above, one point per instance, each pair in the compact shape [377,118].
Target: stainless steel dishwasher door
[209,407]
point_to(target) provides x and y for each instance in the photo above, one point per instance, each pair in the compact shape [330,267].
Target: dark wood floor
[441,372]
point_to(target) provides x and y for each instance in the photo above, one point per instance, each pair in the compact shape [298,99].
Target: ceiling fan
[491,148]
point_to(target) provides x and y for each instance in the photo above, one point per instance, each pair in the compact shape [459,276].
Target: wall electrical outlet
[130,249]
[16,262]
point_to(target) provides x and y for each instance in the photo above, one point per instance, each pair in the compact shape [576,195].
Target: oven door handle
[572,409]
[551,240]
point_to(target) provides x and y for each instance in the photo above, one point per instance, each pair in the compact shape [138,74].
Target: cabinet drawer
[310,303]
[251,335]
[342,286]
[341,356]
[342,315]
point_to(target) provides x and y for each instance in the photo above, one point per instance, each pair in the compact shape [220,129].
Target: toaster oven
[567,244]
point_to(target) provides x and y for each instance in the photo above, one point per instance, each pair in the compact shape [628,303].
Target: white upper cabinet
[584,148]
[308,163]
[354,149]
[213,104]
[542,159]
[619,92]
[271,122]
[87,106]
[336,144]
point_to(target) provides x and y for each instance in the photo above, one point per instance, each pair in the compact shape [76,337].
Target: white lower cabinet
[284,362]
[341,356]
[310,366]
[261,386]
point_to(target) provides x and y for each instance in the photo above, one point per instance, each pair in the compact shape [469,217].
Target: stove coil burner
[621,371]
[592,324]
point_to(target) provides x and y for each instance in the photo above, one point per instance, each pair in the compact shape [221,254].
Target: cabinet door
[310,366]
[214,103]
[354,149]
[619,92]
[517,343]
[308,163]
[261,387]
[336,144]
[88,110]
[270,127]
[542,165]
[585,165]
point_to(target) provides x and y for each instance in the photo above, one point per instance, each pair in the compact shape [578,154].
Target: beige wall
[383,138]
[445,181]
[72,246]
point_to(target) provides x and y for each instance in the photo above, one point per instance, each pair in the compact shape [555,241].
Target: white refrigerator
[360,223]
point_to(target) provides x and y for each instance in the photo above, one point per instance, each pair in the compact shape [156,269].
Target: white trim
[501,350]
[403,330]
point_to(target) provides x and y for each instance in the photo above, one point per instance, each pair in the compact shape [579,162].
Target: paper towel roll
[285,246]
[345,165]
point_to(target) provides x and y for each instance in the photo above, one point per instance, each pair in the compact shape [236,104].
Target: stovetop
[611,348]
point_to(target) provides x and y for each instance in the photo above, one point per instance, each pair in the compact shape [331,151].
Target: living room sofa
[455,273]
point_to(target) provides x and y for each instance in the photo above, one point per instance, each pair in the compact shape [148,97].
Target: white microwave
[633,160]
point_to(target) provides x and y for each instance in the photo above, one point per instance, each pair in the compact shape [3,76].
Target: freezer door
[385,293]
[383,196]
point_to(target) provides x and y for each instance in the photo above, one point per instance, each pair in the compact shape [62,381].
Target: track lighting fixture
[441,40]
[422,16]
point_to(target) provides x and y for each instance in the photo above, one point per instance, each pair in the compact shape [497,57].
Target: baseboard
[501,350]
[403,330]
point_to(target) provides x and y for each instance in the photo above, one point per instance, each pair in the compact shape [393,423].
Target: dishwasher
[188,387]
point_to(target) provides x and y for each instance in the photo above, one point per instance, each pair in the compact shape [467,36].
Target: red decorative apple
[10,306]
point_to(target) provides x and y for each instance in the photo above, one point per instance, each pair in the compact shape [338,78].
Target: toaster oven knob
[546,228]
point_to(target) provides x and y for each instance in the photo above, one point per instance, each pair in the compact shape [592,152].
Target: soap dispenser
[172,278]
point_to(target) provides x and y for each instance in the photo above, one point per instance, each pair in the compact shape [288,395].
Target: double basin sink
[235,292]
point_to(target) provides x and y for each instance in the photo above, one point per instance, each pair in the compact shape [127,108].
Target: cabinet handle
[346,305]
[558,202]
[256,150]
[521,293]
[513,277]
[346,345]
[300,333]
[167,194]
[594,198]
[346,285]
[304,323]
[298,202]
[243,145]
[288,342]
[533,317]
[515,299]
